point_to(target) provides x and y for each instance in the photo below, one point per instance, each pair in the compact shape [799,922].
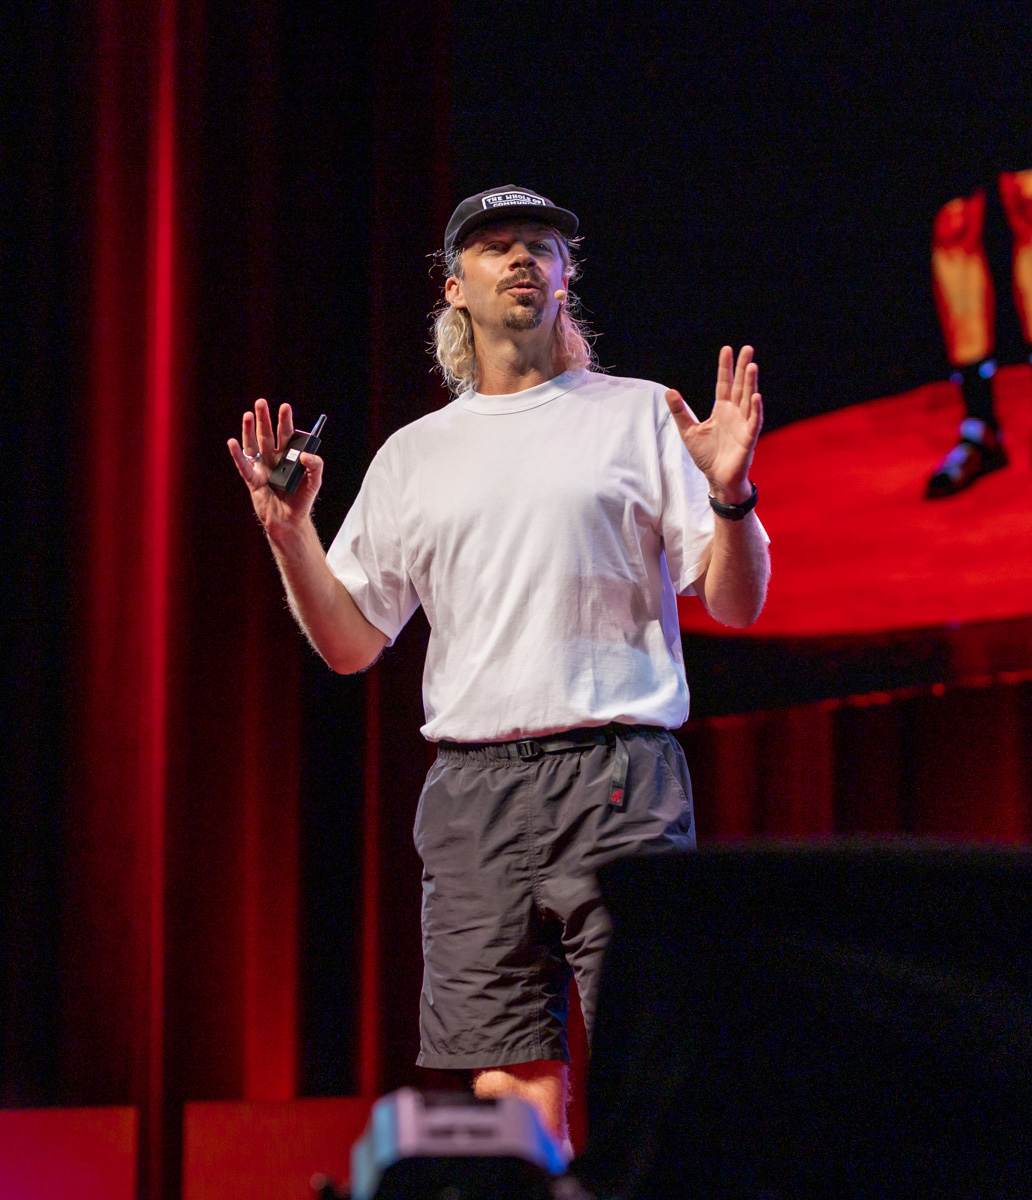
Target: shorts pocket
[676,774]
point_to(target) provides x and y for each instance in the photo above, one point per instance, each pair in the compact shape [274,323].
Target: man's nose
[519,253]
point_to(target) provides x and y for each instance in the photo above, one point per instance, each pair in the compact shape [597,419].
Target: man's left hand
[722,446]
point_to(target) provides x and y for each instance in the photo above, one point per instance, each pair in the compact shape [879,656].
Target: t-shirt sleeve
[368,555]
[687,525]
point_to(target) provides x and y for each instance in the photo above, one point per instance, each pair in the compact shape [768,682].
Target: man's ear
[453,292]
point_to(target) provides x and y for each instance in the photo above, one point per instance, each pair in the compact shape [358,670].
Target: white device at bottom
[412,1124]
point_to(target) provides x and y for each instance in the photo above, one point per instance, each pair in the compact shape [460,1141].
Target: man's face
[510,273]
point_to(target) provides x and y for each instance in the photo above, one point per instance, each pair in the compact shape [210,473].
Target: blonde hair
[452,342]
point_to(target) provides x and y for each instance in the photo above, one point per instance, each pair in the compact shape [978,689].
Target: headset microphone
[559,294]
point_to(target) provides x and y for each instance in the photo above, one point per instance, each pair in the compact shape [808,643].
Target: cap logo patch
[503,199]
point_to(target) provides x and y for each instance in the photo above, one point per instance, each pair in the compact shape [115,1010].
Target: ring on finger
[252,457]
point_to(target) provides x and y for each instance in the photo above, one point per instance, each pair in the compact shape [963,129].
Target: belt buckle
[528,750]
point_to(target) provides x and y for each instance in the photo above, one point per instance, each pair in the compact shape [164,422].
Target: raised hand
[722,446]
[256,456]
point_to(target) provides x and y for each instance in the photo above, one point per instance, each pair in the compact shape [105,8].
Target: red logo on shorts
[616,798]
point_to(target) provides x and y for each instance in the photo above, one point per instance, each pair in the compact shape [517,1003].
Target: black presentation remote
[289,470]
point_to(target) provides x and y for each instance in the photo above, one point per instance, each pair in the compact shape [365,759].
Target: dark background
[762,173]
[742,172]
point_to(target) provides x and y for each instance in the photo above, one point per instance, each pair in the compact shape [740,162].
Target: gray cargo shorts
[510,903]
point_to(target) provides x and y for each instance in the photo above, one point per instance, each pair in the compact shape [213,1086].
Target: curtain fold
[180,916]
[943,762]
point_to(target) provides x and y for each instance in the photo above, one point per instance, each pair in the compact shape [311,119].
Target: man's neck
[509,365]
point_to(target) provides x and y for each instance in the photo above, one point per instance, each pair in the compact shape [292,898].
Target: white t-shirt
[544,533]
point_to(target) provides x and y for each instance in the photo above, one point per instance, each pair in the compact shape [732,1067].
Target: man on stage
[544,519]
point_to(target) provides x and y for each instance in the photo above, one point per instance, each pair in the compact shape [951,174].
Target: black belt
[530,749]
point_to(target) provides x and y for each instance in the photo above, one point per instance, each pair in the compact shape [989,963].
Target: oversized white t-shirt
[544,533]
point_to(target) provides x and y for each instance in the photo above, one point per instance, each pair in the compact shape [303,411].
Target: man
[966,304]
[543,519]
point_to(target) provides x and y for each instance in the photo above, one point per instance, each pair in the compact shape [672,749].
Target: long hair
[453,344]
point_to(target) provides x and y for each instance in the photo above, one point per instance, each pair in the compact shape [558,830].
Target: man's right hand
[256,456]
[324,609]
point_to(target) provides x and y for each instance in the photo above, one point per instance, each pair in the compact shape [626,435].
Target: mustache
[520,277]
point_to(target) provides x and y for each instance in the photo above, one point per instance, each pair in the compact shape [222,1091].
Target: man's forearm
[734,585]
[321,604]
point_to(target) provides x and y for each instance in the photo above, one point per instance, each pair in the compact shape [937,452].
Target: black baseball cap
[506,203]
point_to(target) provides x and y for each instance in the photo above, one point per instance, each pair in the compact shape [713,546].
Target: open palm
[256,456]
[723,445]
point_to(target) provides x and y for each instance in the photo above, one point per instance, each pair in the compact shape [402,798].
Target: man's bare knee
[542,1083]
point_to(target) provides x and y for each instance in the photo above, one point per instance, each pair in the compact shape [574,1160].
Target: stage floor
[855,547]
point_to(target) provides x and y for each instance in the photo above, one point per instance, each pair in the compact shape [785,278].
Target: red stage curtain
[180,917]
[952,762]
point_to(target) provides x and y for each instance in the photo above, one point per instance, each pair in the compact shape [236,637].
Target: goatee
[525,317]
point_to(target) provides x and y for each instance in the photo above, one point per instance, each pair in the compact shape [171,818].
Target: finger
[756,415]
[751,420]
[263,430]
[285,426]
[243,465]
[683,416]
[249,437]
[724,373]
[738,389]
[312,481]
[749,386]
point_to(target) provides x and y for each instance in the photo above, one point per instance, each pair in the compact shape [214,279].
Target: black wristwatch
[735,512]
